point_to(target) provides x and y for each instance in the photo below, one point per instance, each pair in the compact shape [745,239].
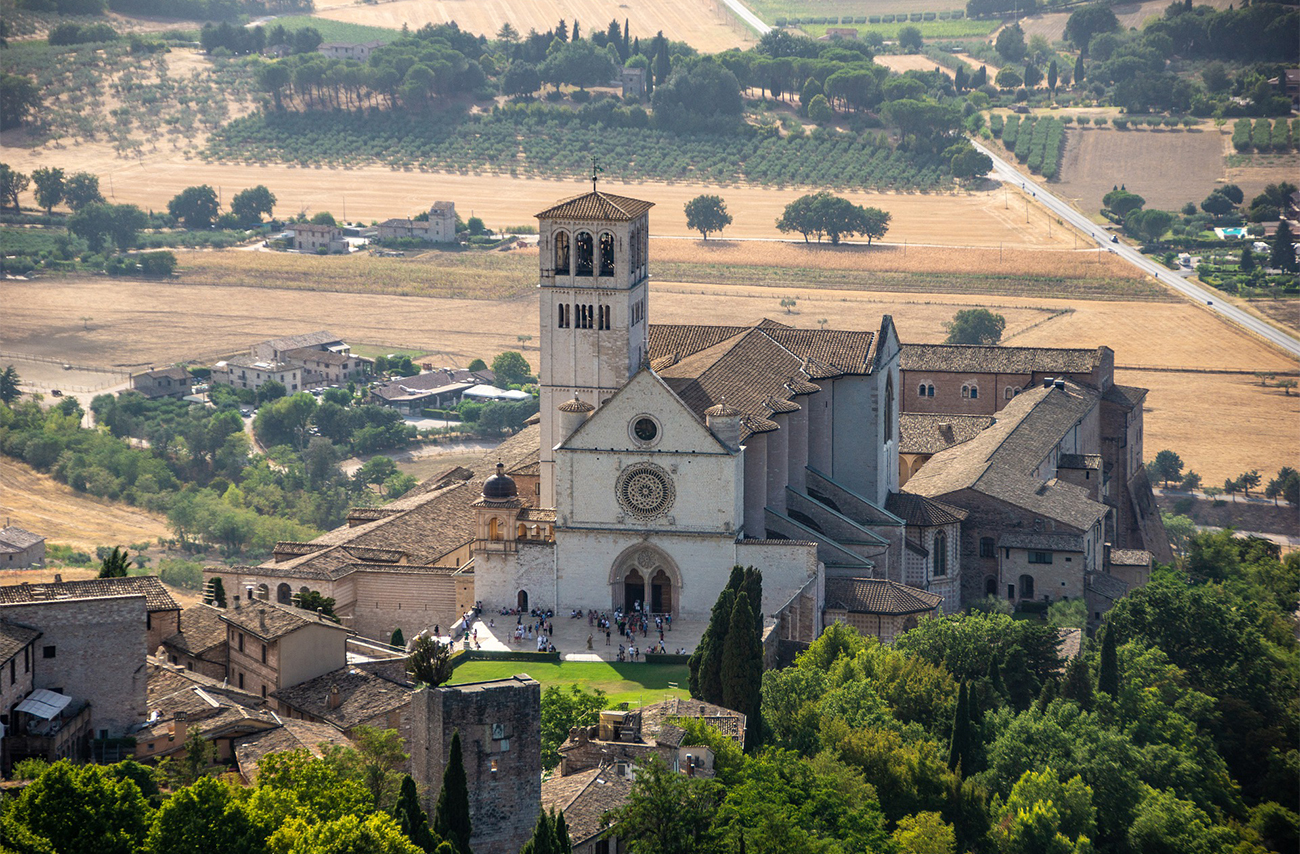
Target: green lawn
[624,683]
[338,31]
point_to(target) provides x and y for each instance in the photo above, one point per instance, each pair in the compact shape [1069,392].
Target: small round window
[645,429]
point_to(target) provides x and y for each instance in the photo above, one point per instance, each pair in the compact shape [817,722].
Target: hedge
[464,655]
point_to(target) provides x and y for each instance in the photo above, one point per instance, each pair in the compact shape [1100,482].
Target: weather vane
[595,172]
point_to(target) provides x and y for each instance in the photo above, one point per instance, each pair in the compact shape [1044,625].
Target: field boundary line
[1226,371]
[46,359]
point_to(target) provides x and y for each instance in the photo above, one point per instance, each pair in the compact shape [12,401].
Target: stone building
[20,549]
[182,700]
[584,797]
[500,734]
[163,382]
[162,612]
[17,654]
[438,227]
[373,694]
[252,373]
[623,739]
[273,647]
[91,650]
[878,607]
[310,237]
[199,643]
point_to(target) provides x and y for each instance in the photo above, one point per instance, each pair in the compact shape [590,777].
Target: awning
[44,703]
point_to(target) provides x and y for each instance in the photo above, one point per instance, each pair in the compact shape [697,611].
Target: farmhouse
[164,382]
[356,51]
[278,349]
[251,372]
[20,549]
[437,389]
[438,227]
[310,237]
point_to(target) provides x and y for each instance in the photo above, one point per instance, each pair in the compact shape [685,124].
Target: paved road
[748,17]
[1205,296]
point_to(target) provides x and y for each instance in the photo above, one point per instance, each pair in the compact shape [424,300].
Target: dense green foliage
[561,711]
[825,214]
[975,326]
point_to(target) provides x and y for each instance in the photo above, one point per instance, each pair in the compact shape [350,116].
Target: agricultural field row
[956,28]
[1265,136]
[1036,142]
[517,142]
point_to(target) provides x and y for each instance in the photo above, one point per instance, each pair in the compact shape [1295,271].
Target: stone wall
[93,650]
[500,732]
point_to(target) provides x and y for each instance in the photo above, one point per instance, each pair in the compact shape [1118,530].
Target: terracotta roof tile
[201,629]
[1107,585]
[1042,542]
[978,358]
[362,694]
[17,539]
[292,734]
[268,620]
[921,511]
[155,594]
[597,205]
[13,638]
[584,798]
[930,434]
[878,596]
[1130,557]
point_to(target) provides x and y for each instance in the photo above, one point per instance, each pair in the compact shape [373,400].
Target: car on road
[1114,238]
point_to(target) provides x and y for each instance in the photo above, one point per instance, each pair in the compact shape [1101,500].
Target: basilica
[663,455]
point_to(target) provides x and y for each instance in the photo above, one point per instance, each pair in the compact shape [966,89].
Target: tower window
[563,320]
[583,262]
[633,251]
[606,254]
[562,253]
[604,316]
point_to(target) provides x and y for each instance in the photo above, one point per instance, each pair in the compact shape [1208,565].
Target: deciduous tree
[249,206]
[49,187]
[196,207]
[975,326]
[707,214]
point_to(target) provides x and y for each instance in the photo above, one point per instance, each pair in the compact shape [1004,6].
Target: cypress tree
[997,690]
[959,745]
[451,815]
[412,819]
[706,663]
[626,46]
[1078,70]
[216,593]
[543,841]
[1047,695]
[397,639]
[742,668]
[1077,685]
[1108,671]
[752,585]
[563,844]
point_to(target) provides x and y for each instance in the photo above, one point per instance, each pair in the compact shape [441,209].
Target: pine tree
[451,814]
[115,565]
[1108,671]
[742,668]
[1247,259]
[1077,685]
[412,819]
[1283,255]
[959,745]
[397,639]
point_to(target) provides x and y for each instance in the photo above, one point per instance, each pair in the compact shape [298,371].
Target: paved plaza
[496,632]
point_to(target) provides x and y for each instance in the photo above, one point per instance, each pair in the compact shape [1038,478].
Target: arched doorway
[990,586]
[284,594]
[661,593]
[644,573]
[522,601]
[633,590]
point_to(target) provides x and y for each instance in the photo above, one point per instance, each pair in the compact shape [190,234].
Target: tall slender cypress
[412,819]
[563,844]
[959,745]
[742,668]
[451,815]
[1108,672]
[706,663]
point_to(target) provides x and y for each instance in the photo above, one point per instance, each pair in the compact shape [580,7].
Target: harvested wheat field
[912,62]
[1143,160]
[1131,15]
[202,322]
[704,24]
[1259,170]
[59,513]
[374,193]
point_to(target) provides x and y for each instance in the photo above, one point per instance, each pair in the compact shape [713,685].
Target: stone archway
[645,574]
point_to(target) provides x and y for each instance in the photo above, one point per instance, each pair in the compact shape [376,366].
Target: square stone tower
[594,279]
[500,725]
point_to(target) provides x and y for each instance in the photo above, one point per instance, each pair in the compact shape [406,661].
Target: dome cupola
[500,486]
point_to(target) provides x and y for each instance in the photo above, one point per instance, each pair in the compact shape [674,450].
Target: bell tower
[594,297]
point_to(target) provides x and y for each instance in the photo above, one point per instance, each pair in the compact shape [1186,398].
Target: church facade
[670,453]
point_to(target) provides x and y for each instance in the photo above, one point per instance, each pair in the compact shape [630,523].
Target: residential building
[200,642]
[441,388]
[355,51]
[310,237]
[17,655]
[273,646]
[371,694]
[315,738]
[279,349]
[162,612]
[251,373]
[20,549]
[622,739]
[326,367]
[181,700]
[585,797]
[438,227]
[163,382]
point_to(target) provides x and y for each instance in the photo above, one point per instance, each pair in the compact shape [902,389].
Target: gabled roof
[361,694]
[307,339]
[597,205]
[878,596]
[310,736]
[1001,460]
[989,359]
[656,716]
[156,597]
[165,373]
[584,798]
[270,621]
[13,638]
[921,511]
[18,539]
[201,630]
[1043,541]
[931,433]
[757,370]
[1107,585]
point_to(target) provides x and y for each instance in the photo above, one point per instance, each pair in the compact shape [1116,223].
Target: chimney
[1105,557]
[236,601]
[58,578]
[945,431]
[1060,385]
[724,422]
[180,726]
[1047,382]
[261,618]
[335,700]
